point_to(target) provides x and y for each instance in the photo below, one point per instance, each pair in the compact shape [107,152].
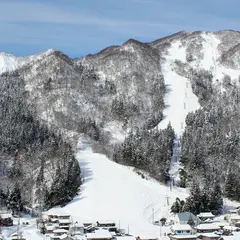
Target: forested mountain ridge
[116,97]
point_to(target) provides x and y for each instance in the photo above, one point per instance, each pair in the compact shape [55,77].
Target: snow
[9,62]
[114,192]
[115,130]
[205,214]
[207,226]
[184,237]
[99,234]
[128,48]
[60,231]
[125,238]
[209,235]
[181,227]
[179,99]
[210,60]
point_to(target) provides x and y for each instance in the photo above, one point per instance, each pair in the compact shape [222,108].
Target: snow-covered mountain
[131,68]
[114,93]
[9,62]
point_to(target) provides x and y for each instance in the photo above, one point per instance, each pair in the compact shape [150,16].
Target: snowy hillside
[9,62]
[106,96]
[179,99]
[114,192]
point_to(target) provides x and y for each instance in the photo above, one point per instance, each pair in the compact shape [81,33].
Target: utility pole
[119,225]
[153,216]
[160,231]
[167,197]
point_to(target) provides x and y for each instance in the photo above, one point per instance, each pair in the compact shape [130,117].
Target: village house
[49,228]
[230,228]
[183,237]
[59,234]
[99,234]
[124,238]
[235,220]
[89,227]
[181,229]
[106,223]
[77,229]
[16,236]
[206,228]
[186,218]
[6,219]
[235,236]
[64,216]
[234,211]
[208,236]
[64,223]
[52,218]
[206,217]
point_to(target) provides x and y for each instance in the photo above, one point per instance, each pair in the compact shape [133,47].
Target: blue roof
[184,216]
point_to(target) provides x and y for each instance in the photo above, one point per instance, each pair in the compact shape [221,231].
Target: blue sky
[79,27]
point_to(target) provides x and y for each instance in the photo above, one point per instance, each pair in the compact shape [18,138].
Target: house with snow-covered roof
[234,211]
[106,223]
[99,234]
[181,229]
[206,216]
[124,238]
[183,237]
[76,229]
[6,219]
[59,234]
[235,220]
[208,236]
[235,236]
[49,228]
[207,228]
[64,223]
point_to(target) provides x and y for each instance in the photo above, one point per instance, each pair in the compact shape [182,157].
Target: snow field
[179,99]
[114,192]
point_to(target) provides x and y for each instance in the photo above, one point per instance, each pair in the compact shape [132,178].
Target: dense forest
[150,151]
[35,162]
[210,143]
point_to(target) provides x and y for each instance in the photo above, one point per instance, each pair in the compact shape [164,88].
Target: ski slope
[111,191]
[179,98]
